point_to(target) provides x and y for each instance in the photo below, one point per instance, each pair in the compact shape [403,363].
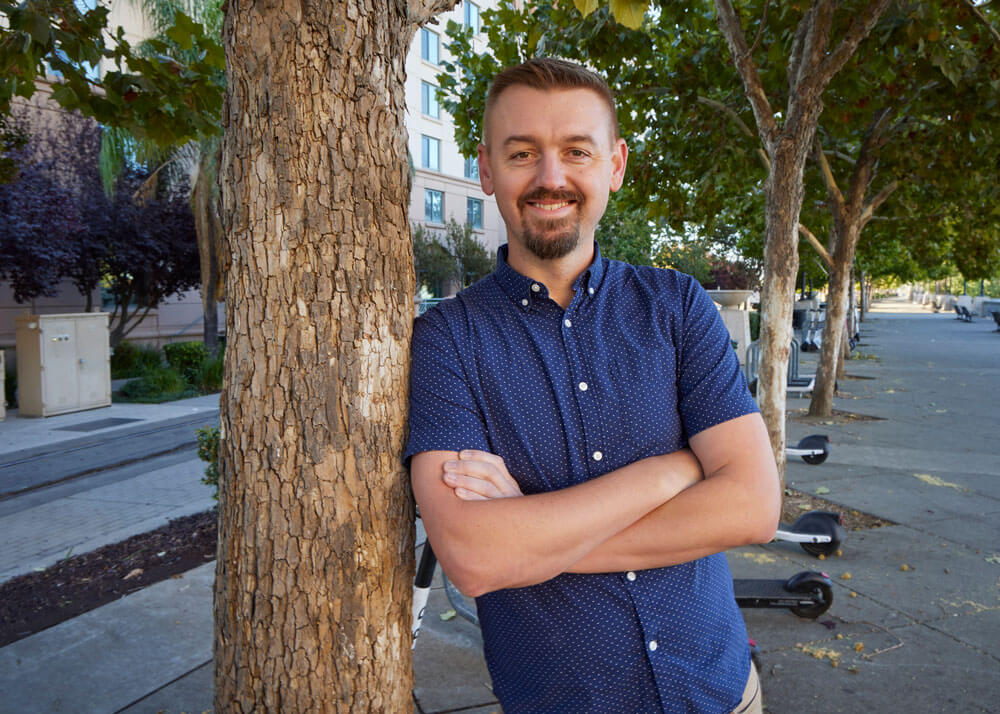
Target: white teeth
[551,206]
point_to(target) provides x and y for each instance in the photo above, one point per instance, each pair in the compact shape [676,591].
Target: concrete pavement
[923,639]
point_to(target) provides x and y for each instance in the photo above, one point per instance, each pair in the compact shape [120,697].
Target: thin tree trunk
[833,334]
[208,228]
[315,566]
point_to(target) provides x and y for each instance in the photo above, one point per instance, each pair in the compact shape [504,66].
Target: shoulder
[671,287]
[453,316]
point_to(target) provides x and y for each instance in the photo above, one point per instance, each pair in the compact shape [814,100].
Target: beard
[549,239]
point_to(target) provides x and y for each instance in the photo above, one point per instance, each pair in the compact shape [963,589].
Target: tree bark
[315,562]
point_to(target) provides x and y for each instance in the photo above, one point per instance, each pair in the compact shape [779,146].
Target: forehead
[548,114]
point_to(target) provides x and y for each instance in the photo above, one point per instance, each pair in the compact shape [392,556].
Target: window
[430,45]
[472,168]
[430,153]
[429,101]
[472,17]
[474,212]
[433,206]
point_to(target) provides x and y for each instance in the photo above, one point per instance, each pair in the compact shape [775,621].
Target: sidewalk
[923,639]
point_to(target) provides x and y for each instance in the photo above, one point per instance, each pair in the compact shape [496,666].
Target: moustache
[542,194]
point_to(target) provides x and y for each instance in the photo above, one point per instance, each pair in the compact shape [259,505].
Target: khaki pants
[752,701]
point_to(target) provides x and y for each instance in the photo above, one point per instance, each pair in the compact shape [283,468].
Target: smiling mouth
[550,206]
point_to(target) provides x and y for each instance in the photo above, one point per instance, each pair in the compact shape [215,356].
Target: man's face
[551,159]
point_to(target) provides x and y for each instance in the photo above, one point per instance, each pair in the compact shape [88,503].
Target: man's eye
[578,153]
[520,155]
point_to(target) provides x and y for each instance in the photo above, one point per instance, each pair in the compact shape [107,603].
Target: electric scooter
[813,449]
[818,532]
[807,594]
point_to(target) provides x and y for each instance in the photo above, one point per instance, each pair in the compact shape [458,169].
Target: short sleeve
[711,385]
[444,415]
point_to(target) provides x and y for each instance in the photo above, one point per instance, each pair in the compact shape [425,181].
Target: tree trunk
[836,331]
[315,561]
[208,228]
[784,189]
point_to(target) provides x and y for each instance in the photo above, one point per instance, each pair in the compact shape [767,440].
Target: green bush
[207,376]
[162,384]
[186,357]
[208,451]
[754,325]
[130,360]
[10,389]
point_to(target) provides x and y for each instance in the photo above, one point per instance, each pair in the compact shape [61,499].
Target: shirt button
[525,302]
[567,322]
[583,386]
[653,645]
[590,290]
[631,576]
[535,287]
[598,456]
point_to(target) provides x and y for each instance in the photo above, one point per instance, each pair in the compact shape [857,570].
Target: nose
[550,172]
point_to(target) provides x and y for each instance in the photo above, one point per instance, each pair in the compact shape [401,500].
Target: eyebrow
[525,139]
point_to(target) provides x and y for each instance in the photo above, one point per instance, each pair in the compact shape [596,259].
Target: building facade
[445,184]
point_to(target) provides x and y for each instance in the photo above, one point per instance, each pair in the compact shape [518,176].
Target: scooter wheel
[815,584]
[821,523]
[815,441]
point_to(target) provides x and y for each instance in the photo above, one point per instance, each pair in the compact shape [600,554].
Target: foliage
[689,257]
[10,388]
[625,233]
[454,255]
[12,138]
[160,384]
[932,72]
[131,360]
[155,94]
[208,451]
[206,377]
[185,357]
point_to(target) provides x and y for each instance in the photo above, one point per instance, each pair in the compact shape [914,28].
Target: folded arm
[737,503]
[496,543]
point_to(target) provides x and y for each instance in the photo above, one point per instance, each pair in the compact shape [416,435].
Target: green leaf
[629,12]
[585,6]
[40,29]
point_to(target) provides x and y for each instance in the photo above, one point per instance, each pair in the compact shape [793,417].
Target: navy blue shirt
[638,363]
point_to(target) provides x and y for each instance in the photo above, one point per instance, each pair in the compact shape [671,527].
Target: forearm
[712,516]
[737,503]
[513,542]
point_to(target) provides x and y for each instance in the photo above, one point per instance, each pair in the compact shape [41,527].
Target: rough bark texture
[315,563]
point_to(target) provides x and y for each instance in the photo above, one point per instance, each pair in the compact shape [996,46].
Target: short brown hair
[547,73]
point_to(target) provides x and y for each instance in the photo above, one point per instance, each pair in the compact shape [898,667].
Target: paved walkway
[921,639]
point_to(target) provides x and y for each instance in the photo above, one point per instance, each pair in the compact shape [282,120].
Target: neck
[557,275]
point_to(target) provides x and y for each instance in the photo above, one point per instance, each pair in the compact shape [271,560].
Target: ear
[619,158]
[485,178]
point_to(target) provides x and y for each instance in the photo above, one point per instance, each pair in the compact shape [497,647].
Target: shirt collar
[520,287]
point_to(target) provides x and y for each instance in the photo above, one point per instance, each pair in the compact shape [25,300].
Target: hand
[480,476]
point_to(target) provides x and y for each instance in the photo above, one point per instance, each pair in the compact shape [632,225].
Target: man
[582,442]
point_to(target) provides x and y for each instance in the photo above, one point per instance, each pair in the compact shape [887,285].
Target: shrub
[186,357]
[208,451]
[130,360]
[207,376]
[10,389]
[754,325]
[162,384]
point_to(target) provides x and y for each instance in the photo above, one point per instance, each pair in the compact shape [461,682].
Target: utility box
[63,363]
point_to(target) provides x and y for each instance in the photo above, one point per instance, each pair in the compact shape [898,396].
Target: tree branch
[983,19]
[420,11]
[832,189]
[860,28]
[729,24]
[814,242]
[760,30]
[868,213]
[729,112]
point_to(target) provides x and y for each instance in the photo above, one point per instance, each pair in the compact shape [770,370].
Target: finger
[467,495]
[486,456]
[483,487]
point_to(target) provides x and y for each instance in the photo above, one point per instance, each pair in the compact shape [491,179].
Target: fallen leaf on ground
[845,576]
[995,559]
[133,574]
[759,558]
[935,481]
[822,489]
[447,615]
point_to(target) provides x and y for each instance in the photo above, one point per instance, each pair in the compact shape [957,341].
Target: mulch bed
[797,503]
[35,601]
